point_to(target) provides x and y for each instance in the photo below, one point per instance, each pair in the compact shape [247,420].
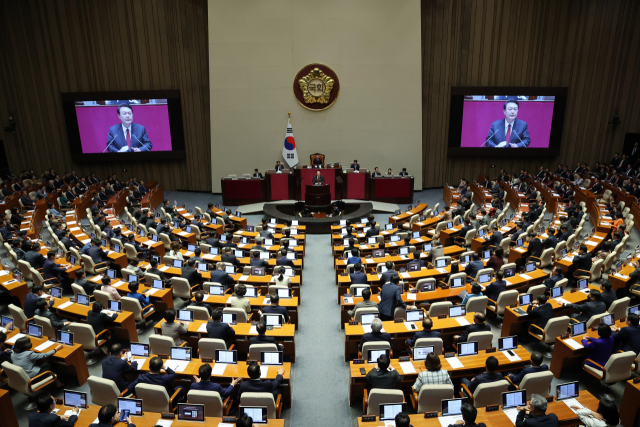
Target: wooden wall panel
[589,46]
[54,46]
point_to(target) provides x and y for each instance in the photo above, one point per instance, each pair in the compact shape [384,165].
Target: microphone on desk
[489,137]
[109,143]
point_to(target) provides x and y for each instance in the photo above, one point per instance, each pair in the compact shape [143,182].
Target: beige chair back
[489,393]
[506,299]
[357,315]
[133,305]
[484,339]
[181,288]
[84,334]
[378,396]
[47,328]
[211,400]
[199,313]
[25,269]
[596,319]
[18,379]
[19,318]
[536,290]
[563,283]
[155,397]
[103,297]
[159,344]
[352,288]
[617,368]
[256,349]
[430,397]
[619,308]
[207,347]
[462,276]
[260,399]
[374,345]
[436,343]
[555,327]
[537,383]
[77,289]
[439,308]
[483,271]
[477,304]
[241,315]
[103,391]
[425,284]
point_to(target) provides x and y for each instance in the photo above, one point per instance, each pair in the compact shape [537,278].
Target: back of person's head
[455,267]
[395,279]
[256,254]
[542,299]
[432,362]
[217,314]
[254,371]
[204,372]
[476,288]
[3,337]
[604,330]
[274,298]
[499,275]
[536,358]
[241,290]
[155,364]
[480,317]
[402,420]
[97,306]
[133,287]
[476,256]
[491,364]
[153,262]
[634,319]
[499,252]
[358,266]
[558,269]
[366,294]
[170,315]
[389,265]
[261,327]
[36,288]
[22,344]
[469,413]
[106,414]
[41,304]
[383,362]
[609,411]
[199,296]
[376,325]
[115,349]
[607,285]
[538,403]
[427,323]
[45,402]
[595,294]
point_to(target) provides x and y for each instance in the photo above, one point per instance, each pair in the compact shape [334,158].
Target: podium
[317,195]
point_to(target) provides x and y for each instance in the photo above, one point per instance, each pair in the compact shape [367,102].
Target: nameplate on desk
[368,418]
[163,356]
[407,359]
[413,291]
[444,286]
[206,359]
[398,320]
[230,420]
[167,415]
[490,350]
[491,408]
[449,355]
[550,398]
[442,316]
[565,336]
[353,322]
[361,362]
[433,414]
[251,361]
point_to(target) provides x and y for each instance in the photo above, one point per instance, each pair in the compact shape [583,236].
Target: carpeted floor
[320,375]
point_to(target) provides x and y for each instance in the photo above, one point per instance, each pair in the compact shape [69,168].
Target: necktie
[508,134]
[128,139]
[634,151]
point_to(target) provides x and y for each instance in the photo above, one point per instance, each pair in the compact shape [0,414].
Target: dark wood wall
[52,46]
[589,46]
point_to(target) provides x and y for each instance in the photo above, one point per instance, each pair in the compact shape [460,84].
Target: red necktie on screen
[508,134]
[128,139]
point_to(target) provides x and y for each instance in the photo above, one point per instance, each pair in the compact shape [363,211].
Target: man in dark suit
[535,245]
[97,254]
[473,267]
[358,277]
[154,270]
[467,226]
[582,261]
[190,273]
[275,308]
[479,325]
[540,311]
[154,377]
[495,288]
[489,376]
[256,174]
[199,302]
[594,305]
[426,332]
[355,165]
[564,234]
[115,369]
[608,294]
[537,416]
[318,179]
[382,376]
[372,231]
[496,237]
[31,300]
[212,241]
[278,167]
[67,242]
[551,241]
[404,172]
[376,173]
[51,270]
[283,260]
[203,382]
[218,275]
[228,256]
[34,257]
[556,276]
[256,261]
[375,334]
[165,228]
[389,295]
[219,330]
[109,416]
[26,200]
[628,338]
[509,132]
[536,366]
[127,136]
[387,275]
[44,417]
[262,338]
[256,385]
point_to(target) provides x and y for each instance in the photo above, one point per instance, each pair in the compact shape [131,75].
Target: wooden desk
[162,299]
[564,355]
[7,410]
[630,403]
[16,289]
[406,215]
[284,335]
[450,195]
[566,417]
[70,359]
[473,365]
[211,227]
[280,186]
[240,221]
[242,191]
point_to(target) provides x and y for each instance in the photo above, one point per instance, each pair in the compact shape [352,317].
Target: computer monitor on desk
[452,406]
[567,391]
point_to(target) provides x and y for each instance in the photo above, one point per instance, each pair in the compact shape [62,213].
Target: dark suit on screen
[139,138]
[519,133]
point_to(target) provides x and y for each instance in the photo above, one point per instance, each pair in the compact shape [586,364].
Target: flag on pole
[289,151]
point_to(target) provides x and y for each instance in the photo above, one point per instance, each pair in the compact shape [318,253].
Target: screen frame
[455,120]
[174,104]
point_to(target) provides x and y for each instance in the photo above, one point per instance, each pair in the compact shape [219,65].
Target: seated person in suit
[601,348]
[535,414]
[275,308]
[496,236]
[355,165]
[256,174]
[239,301]
[199,302]
[496,261]
[535,245]
[172,329]
[100,321]
[467,227]
[358,277]
[219,330]
[494,289]
[256,385]
[190,273]
[390,295]
[404,172]
[536,366]
[228,256]
[556,276]
[355,257]
[540,311]
[628,338]
[155,377]
[42,309]
[426,332]
[317,161]
[387,275]
[375,334]
[365,303]
[489,376]
[278,166]
[607,293]
[256,261]
[45,418]
[144,300]
[283,260]
[24,357]
[473,267]
[476,291]
[582,261]
[203,382]
[262,338]
[114,367]
[383,375]
[479,325]
[469,414]
[376,173]
[594,305]
[219,275]
[389,172]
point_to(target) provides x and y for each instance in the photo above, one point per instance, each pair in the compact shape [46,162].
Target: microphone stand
[487,140]
[111,142]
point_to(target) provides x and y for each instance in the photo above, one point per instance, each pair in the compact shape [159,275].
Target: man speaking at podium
[127,136]
[318,179]
[510,132]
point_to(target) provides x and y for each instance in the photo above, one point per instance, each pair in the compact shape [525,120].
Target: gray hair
[539,403]
[258,240]
[376,325]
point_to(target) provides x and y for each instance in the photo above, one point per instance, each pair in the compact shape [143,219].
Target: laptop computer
[180,353]
[531,266]
[514,398]
[185,315]
[56,292]
[468,348]
[578,329]
[139,349]
[229,318]
[83,299]
[134,406]
[177,263]
[257,413]
[457,282]
[457,311]
[229,357]
[76,399]
[65,338]
[414,315]
[366,319]
[420,353]
[525,299]
[272,319]
[508,343]
[388,411]
[374,354]
[452,406]
[34,331]
[556,292]
[115,306]
[270,358]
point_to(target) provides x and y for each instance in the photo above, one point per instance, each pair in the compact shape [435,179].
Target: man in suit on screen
[509,132]
[318,179]
[127,136]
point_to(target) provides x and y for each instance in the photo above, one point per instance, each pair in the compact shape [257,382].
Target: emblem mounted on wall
[316,87]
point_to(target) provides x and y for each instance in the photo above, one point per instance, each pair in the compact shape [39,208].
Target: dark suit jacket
[139,138]
[317,179]
[385,380]
[213,242]
[609,297]
[546,420]
[259,386]
[628,339]
[474,327]
[156,379]
[97,254]
[100,321]
[485,377]
[35,259]
[542,314]
[588,309]
[387,275]
[262,339]
[535,247]
[390,294]
[495,239]
[372,336]
[230,258]
[519,133]
[550,242]
[30,304]
[582,262]
[39,419]
[517,378]
[192,275]
[423,334]
[355,166]
[277,309]
[220,276]
[257,262]
[473,267]
[114,369]
[494,289]
[551,282]
[285,261]
[358,278]
[51,269]
[221,331]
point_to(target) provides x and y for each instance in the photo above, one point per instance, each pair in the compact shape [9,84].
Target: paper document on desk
[512,413]
[177,365]
[264,371]
[568,259]
[183,233]
[405,275]
[202,328]
[442,270]
[165,423]
[622,276]
[505,229]
[591,243]
[348,300]
[243,278]
[573,344]
[218,368]
[140,362]
[411,296]
[521,250]
[367,329]
[188,253]
[526,276]
[404,257]
[69,412]
[572,402]
[393,243]
[451,419]
[164,268]
[368,260]
[511,358]
[419,239]
[555,194]
[462,321]
[561,300]
[65,305]
[14,338]
[118,283]
[74,229]
[395,217]
[96,279]
[45,345]
[409,325]
[152,291]
[597,237]
[4,273]
[454,362]
[407,368]
[253,330]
